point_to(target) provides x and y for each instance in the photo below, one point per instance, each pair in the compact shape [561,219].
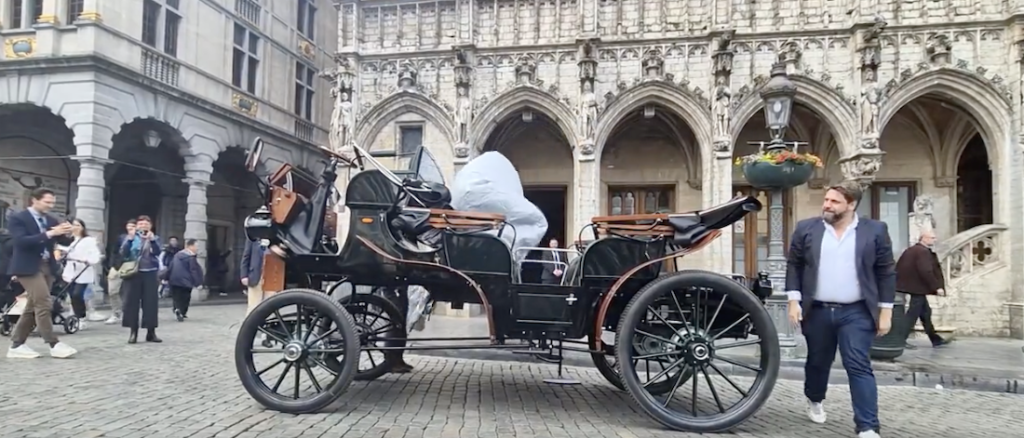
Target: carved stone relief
[939,49]
[722,105]
[342,79]
[862,167]
[588,109]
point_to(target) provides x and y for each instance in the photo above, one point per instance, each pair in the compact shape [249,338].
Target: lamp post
[776,177]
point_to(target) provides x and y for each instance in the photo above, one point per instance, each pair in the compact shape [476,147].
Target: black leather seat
[717,217]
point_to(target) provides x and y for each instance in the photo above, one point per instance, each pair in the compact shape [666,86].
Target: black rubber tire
[258,390]
[72,325]
[763,326]
[610,371]
[351,303]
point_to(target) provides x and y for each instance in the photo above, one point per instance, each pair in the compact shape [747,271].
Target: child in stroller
[11,308]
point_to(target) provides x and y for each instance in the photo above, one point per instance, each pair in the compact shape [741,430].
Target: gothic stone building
[620,106]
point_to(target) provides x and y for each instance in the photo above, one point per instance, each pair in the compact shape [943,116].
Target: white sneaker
[868,434]
[113,320]
[816,412]
[95,317]
[81,324]
[62,351]
[22,352]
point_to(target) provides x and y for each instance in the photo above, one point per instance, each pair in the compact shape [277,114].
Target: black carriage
[672,327]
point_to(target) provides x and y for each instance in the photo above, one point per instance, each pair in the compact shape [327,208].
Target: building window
[160,23]
[75,8]
[639,200]
[24,13]
[306,16]
[410,139]
[751,235]
[891,202]
[245,61]
[304,76]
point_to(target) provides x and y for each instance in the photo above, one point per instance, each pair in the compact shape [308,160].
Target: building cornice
[105,65]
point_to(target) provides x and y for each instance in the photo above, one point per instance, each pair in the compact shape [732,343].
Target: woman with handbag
[79,258]
[141,254]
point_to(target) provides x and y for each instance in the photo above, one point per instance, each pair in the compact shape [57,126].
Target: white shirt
[82,254]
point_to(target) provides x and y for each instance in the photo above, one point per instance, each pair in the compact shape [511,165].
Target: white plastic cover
[490,184]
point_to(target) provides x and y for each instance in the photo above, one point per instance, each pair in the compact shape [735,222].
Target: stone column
[586,197]
[198,170]
[90,203]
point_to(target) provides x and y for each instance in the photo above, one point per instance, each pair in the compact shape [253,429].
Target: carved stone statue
[341,119]
[723,97]
[588,110]
[463,114]
[526,71]
[407,76]
[870,96]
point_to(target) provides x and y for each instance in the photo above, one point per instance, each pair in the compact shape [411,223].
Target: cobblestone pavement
[187,387]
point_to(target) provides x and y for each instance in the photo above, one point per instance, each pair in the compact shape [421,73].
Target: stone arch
[990,109]
[662,93]
[517,99]
[37,147]
[817,96]
[403,102]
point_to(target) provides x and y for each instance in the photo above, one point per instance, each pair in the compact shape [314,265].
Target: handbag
[128,269]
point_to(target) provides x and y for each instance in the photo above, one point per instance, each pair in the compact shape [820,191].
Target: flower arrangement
[779,157]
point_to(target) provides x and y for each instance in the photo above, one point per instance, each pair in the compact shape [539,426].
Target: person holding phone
[34,232]
[140,288]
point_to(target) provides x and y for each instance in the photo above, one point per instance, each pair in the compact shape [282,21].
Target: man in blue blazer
[251,270]
[34,233]
[841,284]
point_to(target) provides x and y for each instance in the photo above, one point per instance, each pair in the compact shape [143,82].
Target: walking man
[841,286]
[919,274]
[34,234]
[183,275]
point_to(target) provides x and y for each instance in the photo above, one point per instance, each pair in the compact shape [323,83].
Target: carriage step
[548,352]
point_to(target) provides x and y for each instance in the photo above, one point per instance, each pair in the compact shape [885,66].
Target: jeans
[851,328]
[77,296]
[920,309]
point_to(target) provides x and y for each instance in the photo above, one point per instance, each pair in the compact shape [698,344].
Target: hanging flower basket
[778,169]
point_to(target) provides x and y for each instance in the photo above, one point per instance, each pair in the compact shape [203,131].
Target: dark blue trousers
[851,328]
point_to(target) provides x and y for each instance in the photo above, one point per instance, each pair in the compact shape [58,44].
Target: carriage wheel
[378,320]
[72,325]
[292,376]
[695,313]
[608,364]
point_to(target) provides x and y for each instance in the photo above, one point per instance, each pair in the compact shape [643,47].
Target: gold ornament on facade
[90,16]
[22,47]
[307,50]
[244,104]
[47,19]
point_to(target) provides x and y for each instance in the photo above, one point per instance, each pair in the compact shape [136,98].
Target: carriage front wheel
[283,348]
[702,322]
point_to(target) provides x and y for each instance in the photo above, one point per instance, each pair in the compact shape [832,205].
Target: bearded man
[841,284]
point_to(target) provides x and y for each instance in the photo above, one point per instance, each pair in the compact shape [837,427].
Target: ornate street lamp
[151,138]
[777,167]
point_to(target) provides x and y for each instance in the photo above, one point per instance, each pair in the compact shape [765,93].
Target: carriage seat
[667,225]
[415,221]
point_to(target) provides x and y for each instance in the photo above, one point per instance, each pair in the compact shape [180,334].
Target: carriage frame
[623,281]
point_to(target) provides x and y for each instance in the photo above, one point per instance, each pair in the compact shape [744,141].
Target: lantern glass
[777,111]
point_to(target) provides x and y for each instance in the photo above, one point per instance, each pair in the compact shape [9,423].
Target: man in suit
[841,286]
[34,234]
[554,264]
[919,274]
[251,269]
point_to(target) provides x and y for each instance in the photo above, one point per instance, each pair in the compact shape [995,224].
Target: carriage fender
[606,300]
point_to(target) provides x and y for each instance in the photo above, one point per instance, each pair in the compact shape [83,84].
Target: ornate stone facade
[638,93]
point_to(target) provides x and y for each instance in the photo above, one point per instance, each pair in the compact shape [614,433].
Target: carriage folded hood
[490,184]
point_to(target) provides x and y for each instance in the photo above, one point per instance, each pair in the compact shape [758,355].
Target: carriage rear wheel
[607,364]
[378,322]
[694,313]
[304,328]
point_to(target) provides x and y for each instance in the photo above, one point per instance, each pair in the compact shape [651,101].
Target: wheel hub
[698,351]
[294,351]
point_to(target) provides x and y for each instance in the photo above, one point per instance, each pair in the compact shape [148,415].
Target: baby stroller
[11,308]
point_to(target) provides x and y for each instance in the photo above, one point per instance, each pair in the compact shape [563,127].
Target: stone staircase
[978,283]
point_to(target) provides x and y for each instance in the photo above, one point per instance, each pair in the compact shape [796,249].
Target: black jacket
[29,243]
[185,271]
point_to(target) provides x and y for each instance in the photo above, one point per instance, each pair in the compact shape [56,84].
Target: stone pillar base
[200,294]
[467,311]
[1016,314]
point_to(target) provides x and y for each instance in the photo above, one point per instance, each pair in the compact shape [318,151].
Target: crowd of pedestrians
[37,248]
